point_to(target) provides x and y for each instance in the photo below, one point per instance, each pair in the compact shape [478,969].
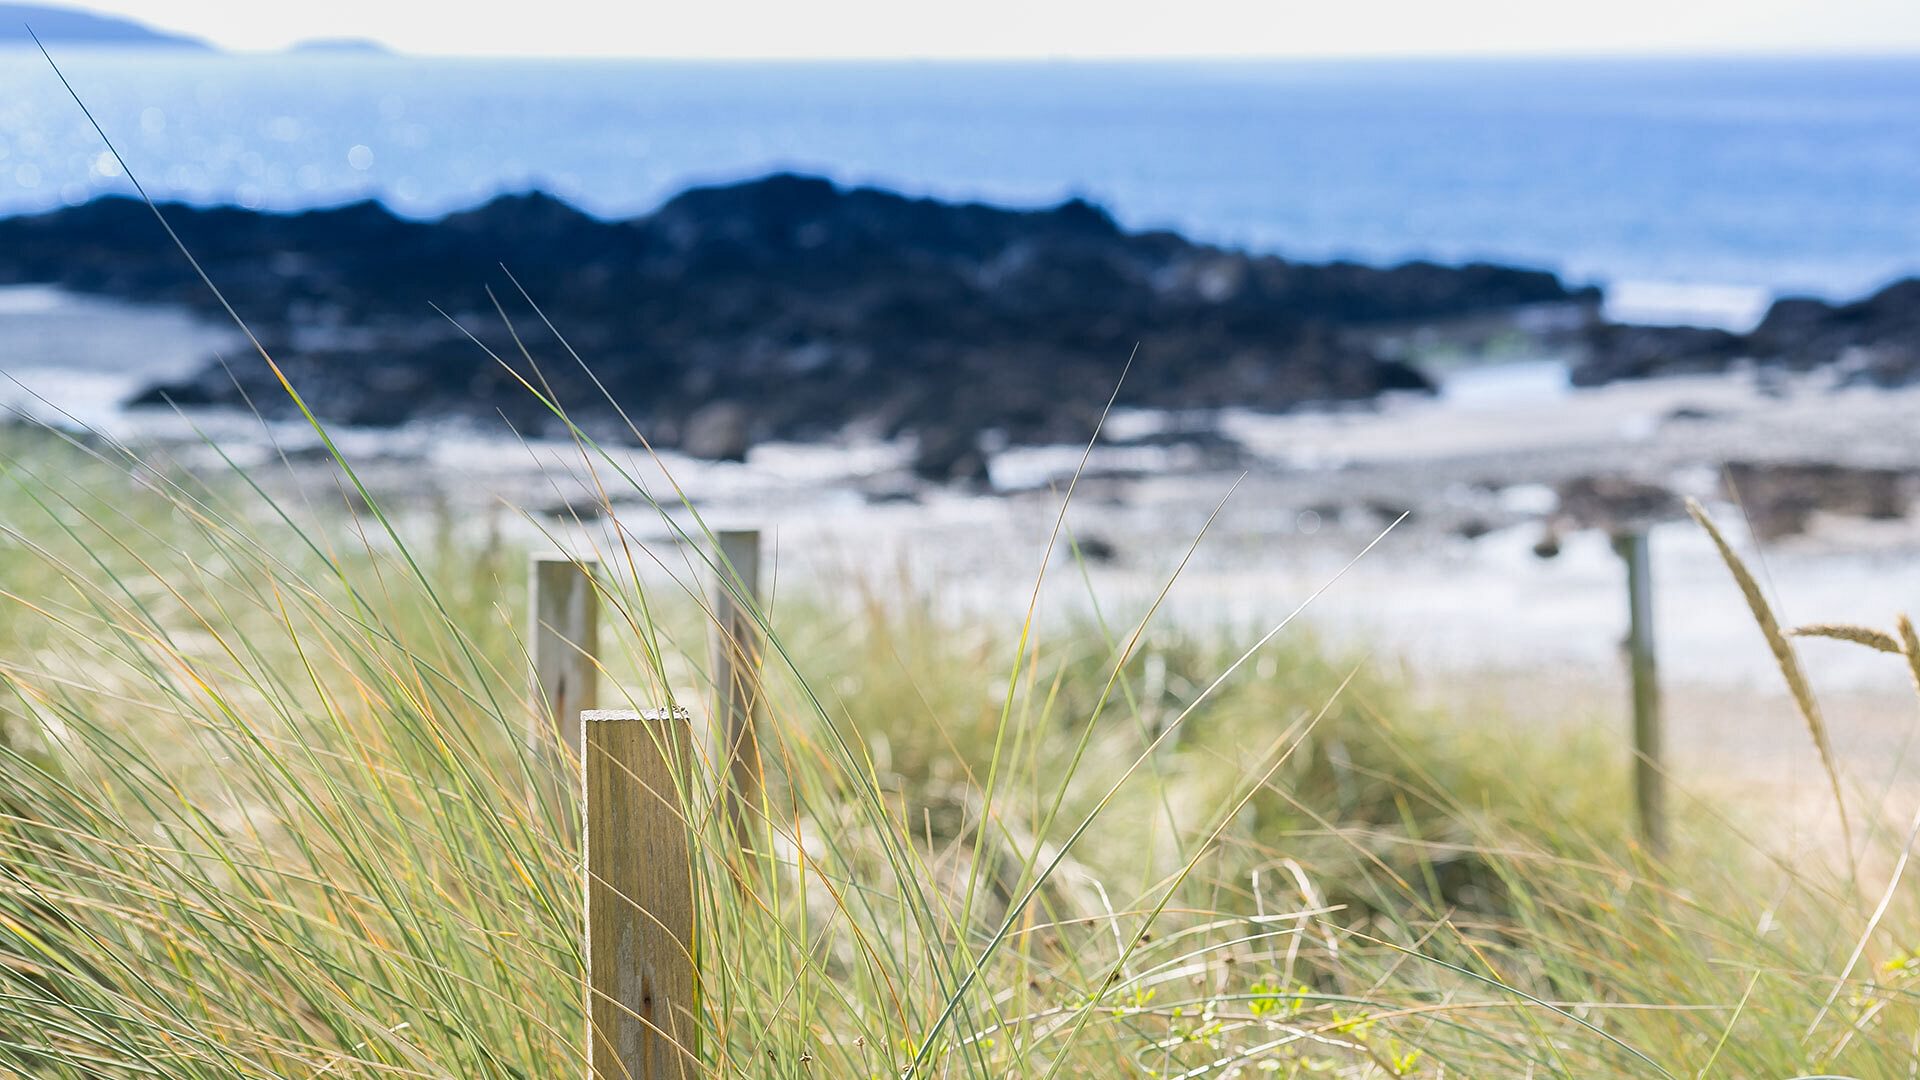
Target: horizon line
[385,51]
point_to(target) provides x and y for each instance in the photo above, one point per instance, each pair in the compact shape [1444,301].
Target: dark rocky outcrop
[801,306]
[1619,351]
[1875,340]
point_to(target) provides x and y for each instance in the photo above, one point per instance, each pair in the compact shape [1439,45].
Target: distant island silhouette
[75,26]
[341,46]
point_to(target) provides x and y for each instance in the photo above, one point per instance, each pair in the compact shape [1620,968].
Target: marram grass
[272,810]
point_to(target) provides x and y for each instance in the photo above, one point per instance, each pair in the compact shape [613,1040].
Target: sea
[1694,189]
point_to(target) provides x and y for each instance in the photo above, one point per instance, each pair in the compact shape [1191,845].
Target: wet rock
[1801,333]
[1780,498]
[1472,528]
[1616,351]
[1615,504]
[1386,512]
[718,431]
[1883,364]
[1095,549]
[1193,446]
[1875,340]
[1688,414]
[950,453]
[888,488]
[584,509]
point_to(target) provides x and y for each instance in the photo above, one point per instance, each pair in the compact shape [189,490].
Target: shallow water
[73,360]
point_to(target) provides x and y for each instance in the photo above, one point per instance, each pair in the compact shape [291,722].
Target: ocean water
[1692,187]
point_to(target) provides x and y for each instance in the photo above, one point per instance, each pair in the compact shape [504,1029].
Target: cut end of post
[604,716]
[556,556]
[563,613]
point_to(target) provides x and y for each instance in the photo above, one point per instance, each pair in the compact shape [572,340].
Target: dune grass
[278,804]
[272,810]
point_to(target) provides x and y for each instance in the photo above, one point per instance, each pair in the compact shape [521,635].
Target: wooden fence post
[735,652]
[1649,784]
[642,988]
[563,635]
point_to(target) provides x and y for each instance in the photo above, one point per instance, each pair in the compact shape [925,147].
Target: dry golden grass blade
[1859,635]
[1910,648]
[1786,658]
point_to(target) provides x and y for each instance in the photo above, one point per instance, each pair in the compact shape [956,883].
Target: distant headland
[74,26]
[70,26]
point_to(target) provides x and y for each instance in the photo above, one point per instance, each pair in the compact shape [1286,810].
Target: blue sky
[1041,28]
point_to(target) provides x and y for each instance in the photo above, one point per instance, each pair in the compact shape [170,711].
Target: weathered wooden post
[1649,785]
[563,637]
[735,651]
[643,995]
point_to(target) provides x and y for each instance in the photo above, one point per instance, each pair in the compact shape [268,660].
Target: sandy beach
[1455,594]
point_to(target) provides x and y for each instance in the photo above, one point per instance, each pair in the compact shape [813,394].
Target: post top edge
[557,556]
[593,716]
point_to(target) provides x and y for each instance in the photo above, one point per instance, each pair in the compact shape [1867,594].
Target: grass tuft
[271,812]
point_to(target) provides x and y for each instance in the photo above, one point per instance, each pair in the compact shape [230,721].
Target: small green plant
[1267,998]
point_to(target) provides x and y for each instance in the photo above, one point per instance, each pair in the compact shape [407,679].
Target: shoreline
[1478,466]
